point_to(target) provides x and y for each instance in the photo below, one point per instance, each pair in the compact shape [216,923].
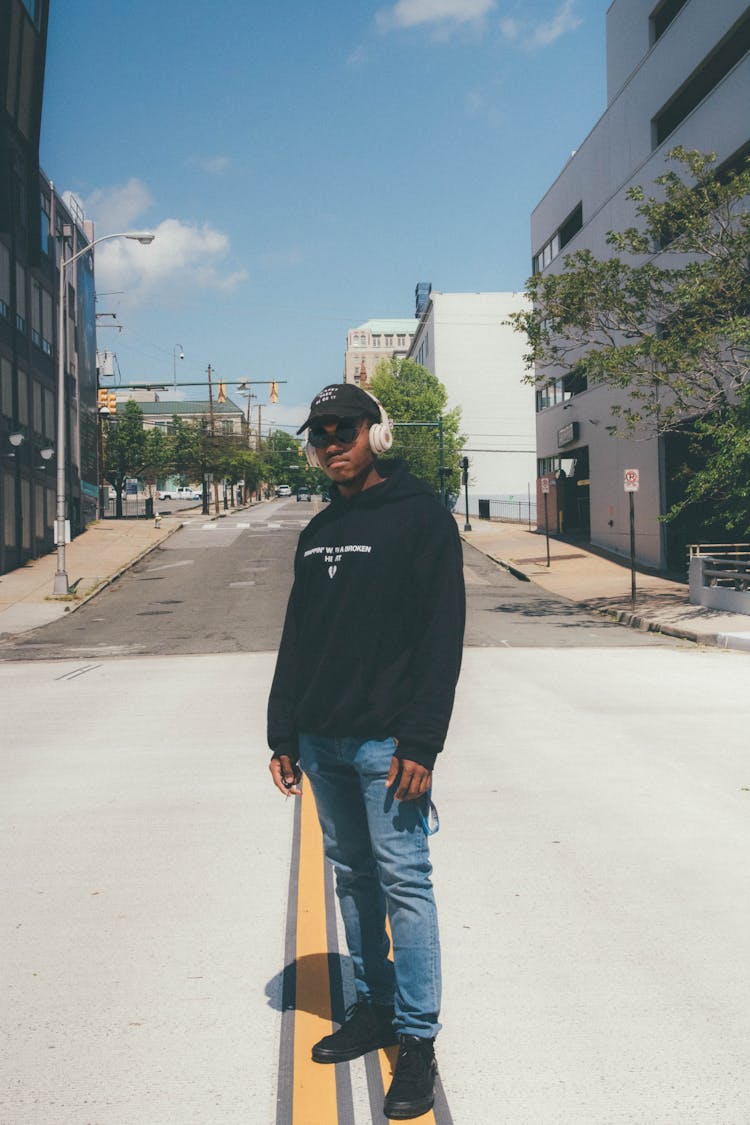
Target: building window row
[662,16]
[379,340]
[562,236]
[560,390]
[727,53]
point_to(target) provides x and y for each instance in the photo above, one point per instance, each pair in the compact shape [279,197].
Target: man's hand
[284,776]
[413,779]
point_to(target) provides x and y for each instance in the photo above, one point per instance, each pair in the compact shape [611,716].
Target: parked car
[182,493]
[283,490]
[325,496]
[303,494]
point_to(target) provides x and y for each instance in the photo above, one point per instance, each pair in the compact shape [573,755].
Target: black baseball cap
[341,400]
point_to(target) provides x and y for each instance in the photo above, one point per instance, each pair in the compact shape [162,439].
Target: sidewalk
[93,560]
[601,583]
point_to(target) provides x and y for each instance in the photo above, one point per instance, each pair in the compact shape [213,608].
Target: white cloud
[214,165]
[533,35]
[414,13]
[116,208]
[183,257]
[356,57]
[551,30]
[511,28]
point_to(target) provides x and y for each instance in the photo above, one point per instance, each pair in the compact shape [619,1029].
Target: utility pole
[212,431]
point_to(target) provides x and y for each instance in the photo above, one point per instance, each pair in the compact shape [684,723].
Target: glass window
[23,397]
[20,297]
[389,341]
[4,280]
[32,7]
[49,414]
[47,330]
[227,427]
[36,313]
[26,513]
[6,388]
[39,511]
[376,339]
[45,224]
[9,515]
[36,407]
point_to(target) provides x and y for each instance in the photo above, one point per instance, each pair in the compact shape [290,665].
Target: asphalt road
[591,874]
[590,867]
[221,586]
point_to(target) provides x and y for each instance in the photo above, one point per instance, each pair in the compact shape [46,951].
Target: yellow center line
[314,1085]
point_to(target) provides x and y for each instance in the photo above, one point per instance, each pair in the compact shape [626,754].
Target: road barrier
[720,576]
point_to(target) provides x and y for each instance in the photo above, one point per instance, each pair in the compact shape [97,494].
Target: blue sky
[305,165]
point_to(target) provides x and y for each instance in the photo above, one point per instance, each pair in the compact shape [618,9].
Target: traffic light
[112,402]
[465,467]
[273,394]
[101,399]
[222,393]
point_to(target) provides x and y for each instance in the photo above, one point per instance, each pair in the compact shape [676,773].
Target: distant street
[221,586]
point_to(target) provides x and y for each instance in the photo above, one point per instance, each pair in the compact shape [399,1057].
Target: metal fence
[133,508]
[508,511]
[722,564]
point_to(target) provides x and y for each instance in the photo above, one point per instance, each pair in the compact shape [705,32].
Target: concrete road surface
[591,869]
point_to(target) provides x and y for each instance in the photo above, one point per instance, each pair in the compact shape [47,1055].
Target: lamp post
[174,364]
[61,578]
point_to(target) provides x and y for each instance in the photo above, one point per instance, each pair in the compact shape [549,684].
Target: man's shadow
[316,983]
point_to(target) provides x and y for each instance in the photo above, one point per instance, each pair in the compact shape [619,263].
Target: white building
[678,73]
[374,341]
[464,339]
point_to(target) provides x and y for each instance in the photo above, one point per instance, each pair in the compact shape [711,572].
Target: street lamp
[174,364]
[61,578]
[15,440]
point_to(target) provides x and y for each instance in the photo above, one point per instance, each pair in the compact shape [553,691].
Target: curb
[737,642]
[105,582]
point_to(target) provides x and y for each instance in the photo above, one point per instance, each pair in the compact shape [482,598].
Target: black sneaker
[366,1028]
[412,1090]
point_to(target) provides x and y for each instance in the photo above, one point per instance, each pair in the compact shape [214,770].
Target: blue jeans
[381,859]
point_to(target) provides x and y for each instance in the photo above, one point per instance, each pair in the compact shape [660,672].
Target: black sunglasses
[345,433]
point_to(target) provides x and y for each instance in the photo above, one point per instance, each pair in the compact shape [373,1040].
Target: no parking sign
[632,480]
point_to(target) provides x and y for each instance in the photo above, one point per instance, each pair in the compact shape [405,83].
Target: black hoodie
[374,627]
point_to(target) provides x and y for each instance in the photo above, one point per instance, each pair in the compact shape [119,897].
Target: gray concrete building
[678,73]
[36,227]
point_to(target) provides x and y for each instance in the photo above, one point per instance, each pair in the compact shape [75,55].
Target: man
[361,700]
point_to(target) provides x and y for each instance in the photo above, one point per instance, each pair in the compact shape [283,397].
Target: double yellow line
[313,1095]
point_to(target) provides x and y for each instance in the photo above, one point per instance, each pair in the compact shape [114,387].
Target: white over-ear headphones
[381,435]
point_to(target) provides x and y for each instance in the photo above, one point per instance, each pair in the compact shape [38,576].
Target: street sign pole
[632,482]
[545,494]
[632,549]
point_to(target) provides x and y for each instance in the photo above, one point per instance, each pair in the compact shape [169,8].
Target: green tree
[185,448]
[665,318]
[125,449]
[714,474]
[284,460]
[157,454]
[412,394]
